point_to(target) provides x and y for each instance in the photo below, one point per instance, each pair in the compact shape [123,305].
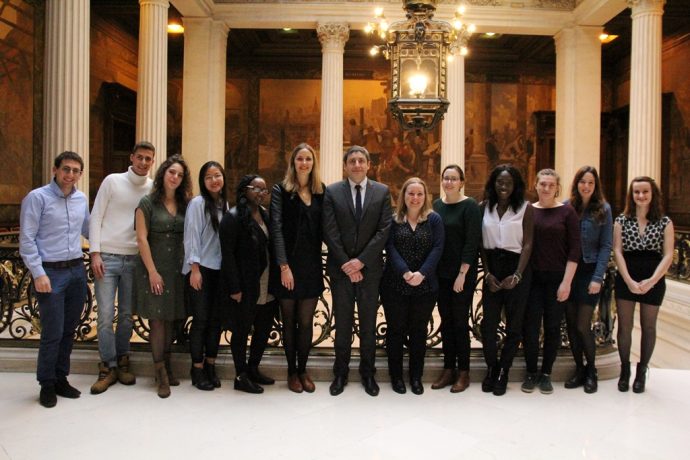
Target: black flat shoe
[399,386]
[501,383]
[338,385]
[576,380]
[370,386]
[244,383]
[48,398]
[64,389]
[416,386]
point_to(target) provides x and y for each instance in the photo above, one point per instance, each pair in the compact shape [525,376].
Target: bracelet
[517,276]
[284,267]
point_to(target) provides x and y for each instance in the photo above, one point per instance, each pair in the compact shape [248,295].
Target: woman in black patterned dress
[643,247]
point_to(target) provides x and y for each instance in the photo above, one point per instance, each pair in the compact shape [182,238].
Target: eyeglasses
[259,190]
[67,170]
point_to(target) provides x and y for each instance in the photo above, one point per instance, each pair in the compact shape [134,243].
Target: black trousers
[204,333]
[454,308]
[260,319]
[542,303]
[407,317]
[366,295]
[511,302]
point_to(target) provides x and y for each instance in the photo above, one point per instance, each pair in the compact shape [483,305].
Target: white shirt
[503,232]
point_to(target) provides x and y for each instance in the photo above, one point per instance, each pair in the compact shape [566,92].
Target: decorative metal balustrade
[19,315]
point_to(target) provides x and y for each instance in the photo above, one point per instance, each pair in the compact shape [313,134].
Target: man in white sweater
[113,248]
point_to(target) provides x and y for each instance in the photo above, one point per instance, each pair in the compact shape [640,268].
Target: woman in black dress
[643,241]
[296,233]
[244,274]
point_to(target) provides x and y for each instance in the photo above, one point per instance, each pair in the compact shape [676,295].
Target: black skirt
[641,265]
[579,291]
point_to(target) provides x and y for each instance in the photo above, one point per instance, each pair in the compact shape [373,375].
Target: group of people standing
[166,256]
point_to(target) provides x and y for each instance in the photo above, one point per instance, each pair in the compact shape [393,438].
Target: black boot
[591,379]
[200,380]
[640,378]
[501,382]
[624,380]
[578,378]
[210,370]
[488,382]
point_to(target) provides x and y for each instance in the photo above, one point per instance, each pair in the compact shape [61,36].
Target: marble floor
[132,423]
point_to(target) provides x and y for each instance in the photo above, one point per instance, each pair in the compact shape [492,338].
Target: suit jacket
[348,239]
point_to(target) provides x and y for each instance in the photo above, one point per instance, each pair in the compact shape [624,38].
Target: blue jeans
[60,311]
[118,278]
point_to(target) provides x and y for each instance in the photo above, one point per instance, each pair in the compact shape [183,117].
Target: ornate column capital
[333,35]
[646,6]
[161,3]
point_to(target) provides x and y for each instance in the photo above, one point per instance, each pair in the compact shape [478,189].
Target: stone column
[152,91]
[578,100]
[66,104]
[332,36]
[644,140]
[203,97]
[453,125]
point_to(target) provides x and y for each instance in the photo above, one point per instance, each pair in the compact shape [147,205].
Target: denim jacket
[597,241]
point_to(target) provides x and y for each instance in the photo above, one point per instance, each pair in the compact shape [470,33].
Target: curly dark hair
[183,193]
[211,205]
[241,201]
[656,207]
[596,203]
[517,198]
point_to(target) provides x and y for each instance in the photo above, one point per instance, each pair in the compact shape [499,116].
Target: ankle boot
[162,379]
[210,370]
[488,382]
[591,378]
[640,378]
[501,383]
[577,379]
[244,383]
[200,380]
[446,378]
[624,380]
[168,368]
[461,383]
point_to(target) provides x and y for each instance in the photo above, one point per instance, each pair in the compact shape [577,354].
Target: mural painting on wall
[16,94]
[678,201]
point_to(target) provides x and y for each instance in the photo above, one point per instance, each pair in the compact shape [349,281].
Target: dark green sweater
[463,226]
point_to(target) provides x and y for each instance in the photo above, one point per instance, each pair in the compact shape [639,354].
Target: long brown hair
[401,211]
[290,182]
[596,203]
[656,208]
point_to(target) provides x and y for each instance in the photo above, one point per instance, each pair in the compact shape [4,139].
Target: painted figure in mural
[596,233]
[492,151]
[159,284]
[53,219]
[507,235]
[554,261]
[246,305]
[201,266]
[296,208]
[114,252]
[457,272]
[643,239]
[356,221]
[409,286]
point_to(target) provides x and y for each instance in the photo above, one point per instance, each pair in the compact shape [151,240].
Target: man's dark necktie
[358,202]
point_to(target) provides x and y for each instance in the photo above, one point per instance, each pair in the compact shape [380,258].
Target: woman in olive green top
[457,272]
[159,284]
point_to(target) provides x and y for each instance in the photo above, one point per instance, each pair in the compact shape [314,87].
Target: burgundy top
[556,238]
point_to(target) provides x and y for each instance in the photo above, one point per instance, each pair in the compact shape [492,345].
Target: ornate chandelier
[418,49]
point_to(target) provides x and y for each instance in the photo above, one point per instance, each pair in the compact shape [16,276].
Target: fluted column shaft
[203,96]
[644,141]
[578,99]
[453,127]
[152,91]
[66,104]
[333,37]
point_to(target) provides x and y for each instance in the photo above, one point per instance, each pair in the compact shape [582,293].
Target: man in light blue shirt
[53,218]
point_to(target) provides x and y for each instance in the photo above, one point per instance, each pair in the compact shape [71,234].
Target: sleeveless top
[651,240]
[503,233]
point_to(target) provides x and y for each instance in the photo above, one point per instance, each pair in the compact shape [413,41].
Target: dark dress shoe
[416,386]
[399,386]
[338,385]
[591,385]
[307,382]
[244,383]
[370,386]
[64,389]
[48,398]
[259,377]
[488,382]
[501,383]
[200,380]
[295,384]
[577,380]
[211,375]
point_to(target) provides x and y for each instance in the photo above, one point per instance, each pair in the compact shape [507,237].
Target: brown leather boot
[124,376]
[307,382]
[294,383]
[461,383]
[162,379]
[106,377]
[168,368]
[446,378]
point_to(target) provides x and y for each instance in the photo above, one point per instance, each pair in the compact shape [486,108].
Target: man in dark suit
[356,220]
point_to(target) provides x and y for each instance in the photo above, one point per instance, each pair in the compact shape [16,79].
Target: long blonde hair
[401,211]
[290,182]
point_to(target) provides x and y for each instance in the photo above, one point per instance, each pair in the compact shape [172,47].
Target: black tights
[579,320]
[626,314]
[298,318]
[160,338]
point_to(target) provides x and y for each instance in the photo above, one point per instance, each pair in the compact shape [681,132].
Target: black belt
[64,263]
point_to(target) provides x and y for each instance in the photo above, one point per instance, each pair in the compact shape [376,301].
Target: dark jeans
[454,308]
[60,312]
[542,303]
[407,317]
[512,302]
[204,333]
[345,294]
[260,318]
